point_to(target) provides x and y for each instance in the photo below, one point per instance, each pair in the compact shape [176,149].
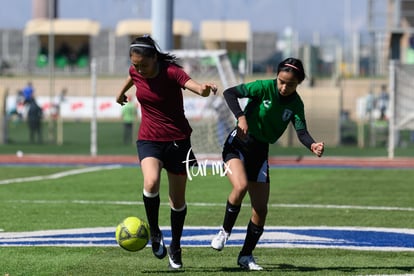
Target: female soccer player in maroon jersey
[163,136]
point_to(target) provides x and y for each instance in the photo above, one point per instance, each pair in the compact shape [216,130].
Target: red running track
[374,162]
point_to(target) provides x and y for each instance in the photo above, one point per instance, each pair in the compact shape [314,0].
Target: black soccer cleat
[158,247]
[175,259]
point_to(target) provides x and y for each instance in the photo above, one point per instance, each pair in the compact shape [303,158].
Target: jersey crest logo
[267,103]
[287,113]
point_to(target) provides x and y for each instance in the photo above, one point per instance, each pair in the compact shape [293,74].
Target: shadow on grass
[283,269]
[344,269]
[197,270]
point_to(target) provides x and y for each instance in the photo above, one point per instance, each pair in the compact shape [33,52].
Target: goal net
[401,102]
[209,117]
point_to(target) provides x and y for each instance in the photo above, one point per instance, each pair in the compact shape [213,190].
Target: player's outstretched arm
[202,89]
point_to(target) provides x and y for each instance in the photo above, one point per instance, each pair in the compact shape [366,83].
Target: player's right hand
[122,99]
[242,128]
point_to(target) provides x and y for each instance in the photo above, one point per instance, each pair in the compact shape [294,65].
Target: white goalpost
[401,102]
[210,117]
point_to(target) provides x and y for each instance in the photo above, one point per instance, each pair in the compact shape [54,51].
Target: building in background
[76,41]
[234,36]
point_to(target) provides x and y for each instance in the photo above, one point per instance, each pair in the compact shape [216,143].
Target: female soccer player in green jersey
[272,105]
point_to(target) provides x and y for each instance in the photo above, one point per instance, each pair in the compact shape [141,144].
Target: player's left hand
[318,148]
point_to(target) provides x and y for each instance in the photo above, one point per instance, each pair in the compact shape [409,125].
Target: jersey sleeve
[178,74]
[299,121]
[251,89]
[231,96]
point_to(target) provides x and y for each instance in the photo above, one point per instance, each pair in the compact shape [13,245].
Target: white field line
[59,174]
[201,204]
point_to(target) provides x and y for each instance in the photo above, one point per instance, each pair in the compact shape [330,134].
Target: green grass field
[94,199]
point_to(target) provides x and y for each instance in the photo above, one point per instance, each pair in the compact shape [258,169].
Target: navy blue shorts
[252,152]
[176,156]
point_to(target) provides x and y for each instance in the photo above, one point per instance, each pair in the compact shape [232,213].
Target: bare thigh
[151,169]
[238,179]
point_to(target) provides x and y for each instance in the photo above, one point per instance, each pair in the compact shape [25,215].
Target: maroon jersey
[162,107]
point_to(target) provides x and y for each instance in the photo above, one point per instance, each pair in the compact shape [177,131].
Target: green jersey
[268,113]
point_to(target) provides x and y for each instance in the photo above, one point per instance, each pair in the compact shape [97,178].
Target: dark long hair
[293,65]
[147,47]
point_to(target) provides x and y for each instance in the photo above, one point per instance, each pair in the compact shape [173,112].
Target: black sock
[252,238]
[152,207]
[177,225]
[230,216]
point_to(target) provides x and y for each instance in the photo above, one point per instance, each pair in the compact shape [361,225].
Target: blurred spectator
[58,102]
[4,66]
[34,119]
[63,94]
[42,58]
[83,50]
[64,50]
[370,103]
[129,114]
[28,92]
[18,109]
[383,100]
[83,56]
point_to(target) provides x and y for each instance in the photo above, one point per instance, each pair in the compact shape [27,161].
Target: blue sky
[327,17]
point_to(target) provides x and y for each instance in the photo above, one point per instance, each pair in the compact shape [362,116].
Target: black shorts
[176,156]
[252,152]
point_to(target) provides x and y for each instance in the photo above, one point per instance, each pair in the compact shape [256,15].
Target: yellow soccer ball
[132,234]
